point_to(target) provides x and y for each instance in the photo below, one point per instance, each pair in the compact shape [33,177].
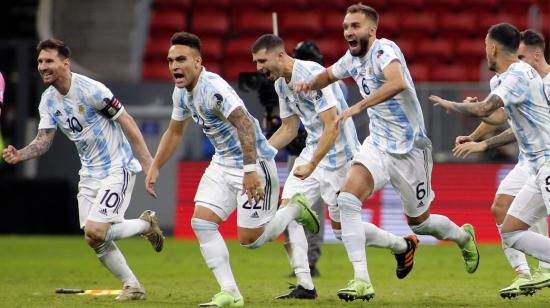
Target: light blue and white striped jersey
[100,141]
[209,104]
[527,107]
[397,124]
[308,109]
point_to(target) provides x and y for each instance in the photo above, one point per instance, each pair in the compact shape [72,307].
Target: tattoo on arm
[40,145]
[503,138]
[247,135]
[481,109]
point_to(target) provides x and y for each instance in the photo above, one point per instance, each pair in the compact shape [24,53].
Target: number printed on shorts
[420,192]
[247,206]
[547,183]
[110,199]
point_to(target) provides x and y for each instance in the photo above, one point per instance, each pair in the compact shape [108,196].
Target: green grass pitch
[32,267]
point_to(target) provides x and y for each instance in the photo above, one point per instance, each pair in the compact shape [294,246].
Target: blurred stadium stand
[124,44]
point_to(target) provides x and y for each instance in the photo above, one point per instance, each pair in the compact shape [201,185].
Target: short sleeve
[180,111]
[384,56]
[284,110]
[513,88]
[340,68]
[46,119]
[225,102]
[105,102]
[325,98]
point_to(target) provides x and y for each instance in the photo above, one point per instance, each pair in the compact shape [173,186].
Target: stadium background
[124,43]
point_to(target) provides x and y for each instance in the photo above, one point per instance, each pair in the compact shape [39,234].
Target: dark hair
[62,50]
[533,38]
[186,39]
[365,9]
[267,41]
[307,50]
[506,35]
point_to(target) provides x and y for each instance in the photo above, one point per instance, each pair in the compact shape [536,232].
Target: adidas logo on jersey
[57,113]
[103,211]
[255,215]
[420,204]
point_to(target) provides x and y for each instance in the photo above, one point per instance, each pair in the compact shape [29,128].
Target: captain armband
[112,107]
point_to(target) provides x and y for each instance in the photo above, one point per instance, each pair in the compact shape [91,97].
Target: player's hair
[365,9]
[186,39]
[533,38]
[267,41]
[506,35]
[62,50]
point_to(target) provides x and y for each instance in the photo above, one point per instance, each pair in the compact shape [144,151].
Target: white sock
[516,258]
[442,228]
[126,229]
[215,253]
[112,258]
[377,237]
[353,234]
[277,225]
[531,243]
[297,238]
[541,227]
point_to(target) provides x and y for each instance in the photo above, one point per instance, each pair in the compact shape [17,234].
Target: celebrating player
[242,174]
[531,51]
[320,170]
[90,116]
[397,150]
[520,90]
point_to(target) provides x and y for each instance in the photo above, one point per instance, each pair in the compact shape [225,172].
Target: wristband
[249,168]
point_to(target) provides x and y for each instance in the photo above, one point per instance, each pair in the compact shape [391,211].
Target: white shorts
[321,184]
[532,203]
[514,180]
[105,200]
[220,190]
[410,175]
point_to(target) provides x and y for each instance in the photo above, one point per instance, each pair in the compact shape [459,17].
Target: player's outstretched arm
[169,142]
[326,141]
[40,145]
[318,82]
[286,132]
[395,84]
[465,149]
[247,137]
[482,109]
[132,132]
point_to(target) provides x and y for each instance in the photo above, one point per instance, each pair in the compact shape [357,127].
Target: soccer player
[320,170]
[89,115]
[242,174]
[531,51]
[397,150]
[520,90]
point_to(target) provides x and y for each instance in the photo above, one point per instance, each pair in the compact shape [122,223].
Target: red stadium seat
[332,49]
[304,23]
[172,4]
[156,70]
[167,22]
[156,49]
[402,6]
[251,4]
[418,25]
[517,20]
[332,23]
[408,48]
[516,7]
[454,72]
[213,67]
[211,5]
[214,23]
[440,6]
[470,50]
[232,69]
[419,72]
[436,51]
[457,25]
[253,23]
[388,26]
[473,72]
[240,49]
[211,48]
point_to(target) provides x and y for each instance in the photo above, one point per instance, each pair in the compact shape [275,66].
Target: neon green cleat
[307,217]
[541,279]
[224,299]
[514,289]
[470,253]
[356,289]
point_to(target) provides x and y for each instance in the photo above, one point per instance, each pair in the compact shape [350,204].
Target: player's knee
[94,234]
[198,225]
[422,228]
[509,239]
[499,210]
[347,202]
[250,242]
